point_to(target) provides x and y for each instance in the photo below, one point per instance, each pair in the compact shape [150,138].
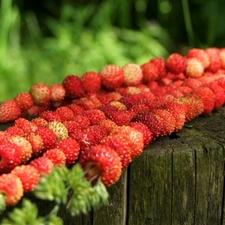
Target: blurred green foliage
[43,41]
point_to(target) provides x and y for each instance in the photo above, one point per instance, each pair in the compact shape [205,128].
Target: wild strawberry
[176,63]
[10,156]
[221,82]
[147,134]
[214,59]
[24,100]
[112,76]
[161,66]
[84,138]
[42,164]
[150,72]
[36,110]
[29,176]
[59,129]
[40,122]
[119,145]
[119,105]
[56,155]
[132,74]
[40,93]
[48,136]
[24,145]
[92,81]
[130,90]
[95,116]
[71,149]
[184,89]
[9,111]
[73,86]
[108,125]
[121,117]
[208,98]
[169,122]
[71,126]
[132,137]
[178,111]
[192,83]
[222,57]
[82,120]
[65,113]
[14,130]
[85,103]
[219,93]
[4,136]
[36,142]
[194,68]
[102,162]
[76,109]
[57,92]
[50,116]
[12,187]
[26,125]
[108,97]
[152,121]
[199,54]
[97,131]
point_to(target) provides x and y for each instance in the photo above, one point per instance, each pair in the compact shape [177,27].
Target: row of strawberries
[105,119]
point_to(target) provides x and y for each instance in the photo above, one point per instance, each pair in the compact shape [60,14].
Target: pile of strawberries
[104,120]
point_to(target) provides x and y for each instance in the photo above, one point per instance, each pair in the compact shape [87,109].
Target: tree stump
[179,179]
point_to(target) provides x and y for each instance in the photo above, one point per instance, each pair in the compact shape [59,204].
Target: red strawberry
[95,116]
[59,129]
[132,74]
[65,113]
[24,100]
[161,66]
[85,103]
[37,110]
[92,81]
[121,117]
[107,97]
[222,57]
[71,149]
[108,125]
[9,111]
[150,72]
[84,138]
[40,93]
[40,122]
[97,131]
[14,130]
[194,68]
[29,176]
[76,109]
[36,142]
[199,54]
[119,105]
[147,134]
[169,122]
[56,155]
[82,120]
[176,63]
[42,164]
[73,86]
[192,83]
[12,187]
[219,93]
[48,136]
[193,106]
[119,145]
[208,98]
[71,126]
[10,156]
[214,59]
[132,137]
[50,116]
[57,92]
[178,111]
[26,125]
[152,121]
[102,162]
[25,146]
[112,76]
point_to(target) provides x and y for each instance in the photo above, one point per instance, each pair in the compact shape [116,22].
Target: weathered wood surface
[178,180]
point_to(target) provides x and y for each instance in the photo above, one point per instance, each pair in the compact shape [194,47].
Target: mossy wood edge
[178,180]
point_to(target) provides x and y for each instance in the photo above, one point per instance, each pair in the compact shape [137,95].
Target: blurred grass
[73,38]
